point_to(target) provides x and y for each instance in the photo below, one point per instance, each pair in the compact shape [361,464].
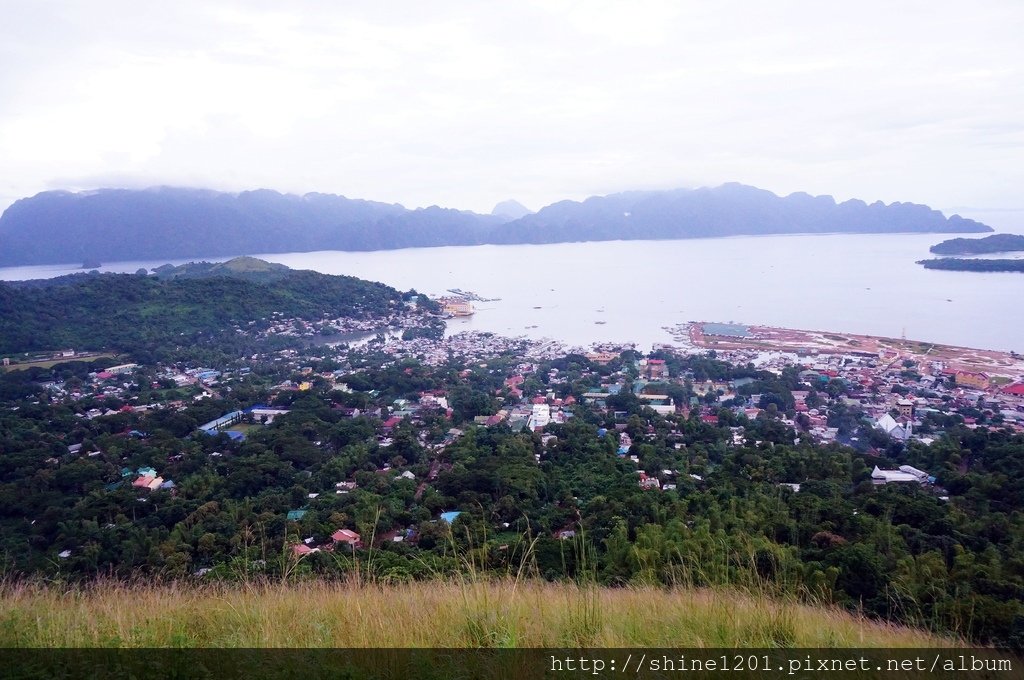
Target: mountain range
[176,223]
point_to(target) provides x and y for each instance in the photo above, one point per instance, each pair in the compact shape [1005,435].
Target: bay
[628,291]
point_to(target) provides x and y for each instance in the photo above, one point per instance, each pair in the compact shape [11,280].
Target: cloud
[466,104]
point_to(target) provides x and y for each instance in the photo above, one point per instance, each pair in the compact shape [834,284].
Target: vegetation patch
[437,614]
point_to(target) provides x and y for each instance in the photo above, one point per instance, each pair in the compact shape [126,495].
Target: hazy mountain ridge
[728,210]
[511,210]
[120,224]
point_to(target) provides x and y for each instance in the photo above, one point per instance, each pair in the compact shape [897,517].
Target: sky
[465,104]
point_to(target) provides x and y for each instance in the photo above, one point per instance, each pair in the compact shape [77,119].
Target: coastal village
[397,448]
[900,395]
[869,400]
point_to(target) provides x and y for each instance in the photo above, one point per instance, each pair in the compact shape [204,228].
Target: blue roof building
[450,516]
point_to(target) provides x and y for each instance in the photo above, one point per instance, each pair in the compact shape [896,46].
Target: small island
[91,264]
[960,264]
[997,243]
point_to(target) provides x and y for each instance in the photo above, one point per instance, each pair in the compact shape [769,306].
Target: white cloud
[465,104]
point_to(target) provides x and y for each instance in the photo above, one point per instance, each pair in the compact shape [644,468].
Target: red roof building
[346,536]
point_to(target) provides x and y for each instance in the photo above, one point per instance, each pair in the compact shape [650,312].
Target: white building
[541,416]
[905,473]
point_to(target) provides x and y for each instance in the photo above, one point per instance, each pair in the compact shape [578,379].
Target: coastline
[816,342]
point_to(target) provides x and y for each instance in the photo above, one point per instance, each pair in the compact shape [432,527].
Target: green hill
[180,306]
[249,268]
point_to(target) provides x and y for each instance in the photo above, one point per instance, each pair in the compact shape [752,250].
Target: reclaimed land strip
[730,337]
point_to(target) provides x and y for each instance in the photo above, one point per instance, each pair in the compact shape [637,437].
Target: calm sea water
[581,293]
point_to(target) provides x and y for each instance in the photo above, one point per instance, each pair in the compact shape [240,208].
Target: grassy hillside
[132,312]
[249,268]
[425,614]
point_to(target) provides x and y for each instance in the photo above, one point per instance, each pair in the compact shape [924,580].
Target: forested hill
[115,224]
[140,313]
[996,243]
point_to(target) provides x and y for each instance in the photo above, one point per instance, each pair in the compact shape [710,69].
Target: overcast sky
[464,104]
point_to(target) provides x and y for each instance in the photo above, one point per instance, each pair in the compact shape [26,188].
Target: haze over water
[857,283]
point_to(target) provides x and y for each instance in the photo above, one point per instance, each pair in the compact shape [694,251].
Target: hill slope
[132,312]
[429,614]
[115,224]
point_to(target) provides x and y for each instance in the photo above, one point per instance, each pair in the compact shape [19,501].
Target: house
[148,482]
[649,482]
[348,537]
[656,369]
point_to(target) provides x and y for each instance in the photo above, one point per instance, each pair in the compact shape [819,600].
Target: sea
[631,291]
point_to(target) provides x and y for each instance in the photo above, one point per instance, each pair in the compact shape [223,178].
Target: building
[656,369]
[226,420]
[1017,389]
[457,307]
[348,537]
[892,428]
[906,408]
[971,379]
[265,414]
[602,357]
[121,368]
[540,416]
[904,474]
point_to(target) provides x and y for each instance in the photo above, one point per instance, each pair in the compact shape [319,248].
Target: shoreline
[746,337]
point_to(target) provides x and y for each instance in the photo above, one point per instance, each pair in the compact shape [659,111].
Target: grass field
[501,613]
[53,362]
[244,428]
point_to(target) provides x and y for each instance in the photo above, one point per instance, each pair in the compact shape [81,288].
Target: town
[402,443]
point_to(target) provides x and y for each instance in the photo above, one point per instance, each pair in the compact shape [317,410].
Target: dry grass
[472,613]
